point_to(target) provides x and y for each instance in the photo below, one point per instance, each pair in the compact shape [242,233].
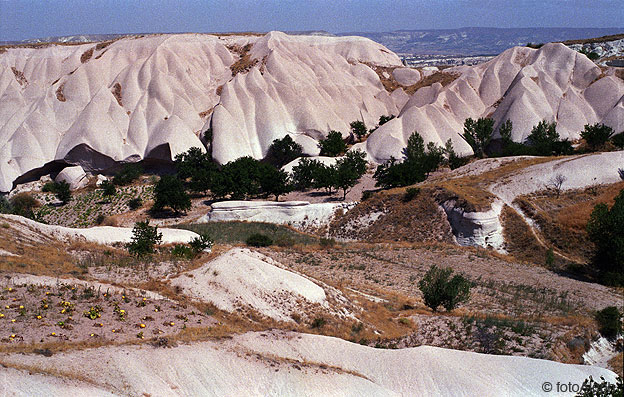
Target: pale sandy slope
[98,234]
[288,364]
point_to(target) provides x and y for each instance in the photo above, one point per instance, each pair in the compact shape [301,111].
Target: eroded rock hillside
[152,97]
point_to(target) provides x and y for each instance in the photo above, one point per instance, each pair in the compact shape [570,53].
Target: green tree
[108,189]
[454,160]
[478,134]
[596,135]
[419,161]
[349,170]
[358,128]
[274,181]
[198,168]
[283,151]
[303,173]
[243,177]
[144,239]
[128,174]
[606,230]
[169,192]
[618,140]
[333,145]
[62,192]
[609,321]
[439,288]
[545,140]
[325,177]
[383,119]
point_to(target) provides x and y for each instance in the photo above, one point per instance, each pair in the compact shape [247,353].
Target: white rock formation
[288,364]
[152,96]
[107,235]
[74,176]
[523,85]
[155,96]
[241,278]
[300,214]
[482,229]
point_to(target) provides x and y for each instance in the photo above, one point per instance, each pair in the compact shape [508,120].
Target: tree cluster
[419,161]
[341,176]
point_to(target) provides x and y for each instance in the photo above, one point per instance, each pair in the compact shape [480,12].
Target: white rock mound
[523,85]
[74,176]
[289,364]
[107,235]
[241,278]
[300,214]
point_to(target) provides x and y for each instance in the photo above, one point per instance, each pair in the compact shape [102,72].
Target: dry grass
[471,191]
[84,58]
[19,76]
[595,39]
[244,62]
[444,78]
[576,215]
[59,93]
[519,239]
[617,363]
[116,91]
[417,220]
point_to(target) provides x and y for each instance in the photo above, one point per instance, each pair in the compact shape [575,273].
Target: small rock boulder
[74,176]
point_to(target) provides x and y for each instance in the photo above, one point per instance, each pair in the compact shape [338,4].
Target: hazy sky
[21,19]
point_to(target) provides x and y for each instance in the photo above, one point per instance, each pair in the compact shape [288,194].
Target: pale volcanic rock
[75,177]
[95,105]
[523,85]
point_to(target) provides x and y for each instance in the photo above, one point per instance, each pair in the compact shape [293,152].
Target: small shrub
[135,203]
[144,239]
[63,193]
[23,204]
[201,243]
[550,258]
[283,151]
[358,128]
[591,388]
[182,251]
[438,288]
[410,194]
[609,321]
[366,194]
[108,189]
[318,322]
[596,135]
[128,174]
[49,187]
[618,140]
[259,240]
[327,242]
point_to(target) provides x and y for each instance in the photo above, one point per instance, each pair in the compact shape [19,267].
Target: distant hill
[476,41]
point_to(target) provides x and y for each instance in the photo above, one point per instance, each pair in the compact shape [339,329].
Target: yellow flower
[113,330]
[155,310]
[13,320]
[21,306]
[92,334]
[144,299]
[12,336]
[142,325]
[172,323]
[122,311]
[1,315]
[10,289]
[53,334]
[7,307]
[38,317]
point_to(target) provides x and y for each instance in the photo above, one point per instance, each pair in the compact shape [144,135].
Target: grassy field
[238,232]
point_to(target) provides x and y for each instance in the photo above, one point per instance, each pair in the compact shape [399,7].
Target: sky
[22,19]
